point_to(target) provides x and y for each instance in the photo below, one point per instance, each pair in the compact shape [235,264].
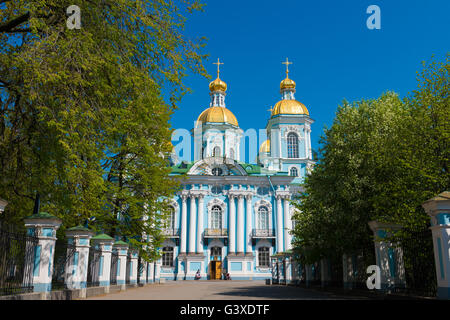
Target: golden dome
[218,114]
[289,107]
[217,85]
[287,84]
[265,147]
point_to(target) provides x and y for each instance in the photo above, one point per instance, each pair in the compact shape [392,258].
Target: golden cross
[287,63]
[271,109]
[218,66]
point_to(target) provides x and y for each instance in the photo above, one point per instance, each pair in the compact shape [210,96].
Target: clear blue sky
[334,54]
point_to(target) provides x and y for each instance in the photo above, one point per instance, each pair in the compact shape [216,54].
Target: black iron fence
[94,266]
[65,257]
[128,270]
[17,251]
[418,258]
[114,267]
[359,261]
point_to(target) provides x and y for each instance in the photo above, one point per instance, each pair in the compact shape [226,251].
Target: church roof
[182,167]
[250,169]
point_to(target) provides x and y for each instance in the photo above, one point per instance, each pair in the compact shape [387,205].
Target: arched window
[293,172]
[216,152]
[217,171]
[263,257]
[263,218]
[216,217]
[167,257]
[292,145]
[232,153]
[171,220]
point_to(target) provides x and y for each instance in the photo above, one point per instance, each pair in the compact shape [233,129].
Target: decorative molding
[221,204]
[297,129]
[259,204]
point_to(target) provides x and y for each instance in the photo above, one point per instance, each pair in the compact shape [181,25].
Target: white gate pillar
[133,266]
[122,249]
[389,256]
[104,243]
[43,226]
[77,264]
[438,208]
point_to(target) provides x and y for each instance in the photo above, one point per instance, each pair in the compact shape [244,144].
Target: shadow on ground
[279,292]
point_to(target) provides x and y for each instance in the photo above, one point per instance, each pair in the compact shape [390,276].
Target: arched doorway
[215,264]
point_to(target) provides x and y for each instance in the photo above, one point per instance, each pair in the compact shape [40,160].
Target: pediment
[228,167]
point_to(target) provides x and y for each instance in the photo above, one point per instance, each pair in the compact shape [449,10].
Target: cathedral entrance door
[215,266]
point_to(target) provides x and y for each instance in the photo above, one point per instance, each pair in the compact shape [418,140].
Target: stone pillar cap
[438,204]
[103,237]
[3,204]
[121,243]
[79,230]
[376,225]
[43,218]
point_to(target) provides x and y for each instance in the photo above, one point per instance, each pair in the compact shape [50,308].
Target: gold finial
[287,63]
[218,66]
[270,109]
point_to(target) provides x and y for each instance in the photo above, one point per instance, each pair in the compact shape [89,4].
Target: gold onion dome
[287,84]
[217,85]
[289,107]
[265,147]
[218,115]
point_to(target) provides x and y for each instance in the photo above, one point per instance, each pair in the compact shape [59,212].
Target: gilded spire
[287,63]
[287,83]
[218,85]
[218,67]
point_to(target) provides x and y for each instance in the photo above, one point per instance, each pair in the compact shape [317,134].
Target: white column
[232,226]
[287,225]
[249,224]
[192,216]
[200,224]
[183,239]
[240,224]
[279,225]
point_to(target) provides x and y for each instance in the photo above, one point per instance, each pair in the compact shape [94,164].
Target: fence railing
[215,233]
[17,251]
[418,257]
[263,233]
[94,267]
[114,267]
[63,264]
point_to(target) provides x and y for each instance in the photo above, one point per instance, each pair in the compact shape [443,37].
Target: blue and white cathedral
[231,216]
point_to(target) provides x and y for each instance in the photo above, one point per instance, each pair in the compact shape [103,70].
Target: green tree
[83,119]
[380,160]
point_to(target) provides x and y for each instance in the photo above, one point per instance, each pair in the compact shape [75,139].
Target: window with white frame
[216,217]
[292,145]
[232,153]
[170,224]
[263,257]
[263,218]
[167,257]
[216,152]
[293,172]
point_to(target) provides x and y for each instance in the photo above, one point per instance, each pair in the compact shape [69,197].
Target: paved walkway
[220,290]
